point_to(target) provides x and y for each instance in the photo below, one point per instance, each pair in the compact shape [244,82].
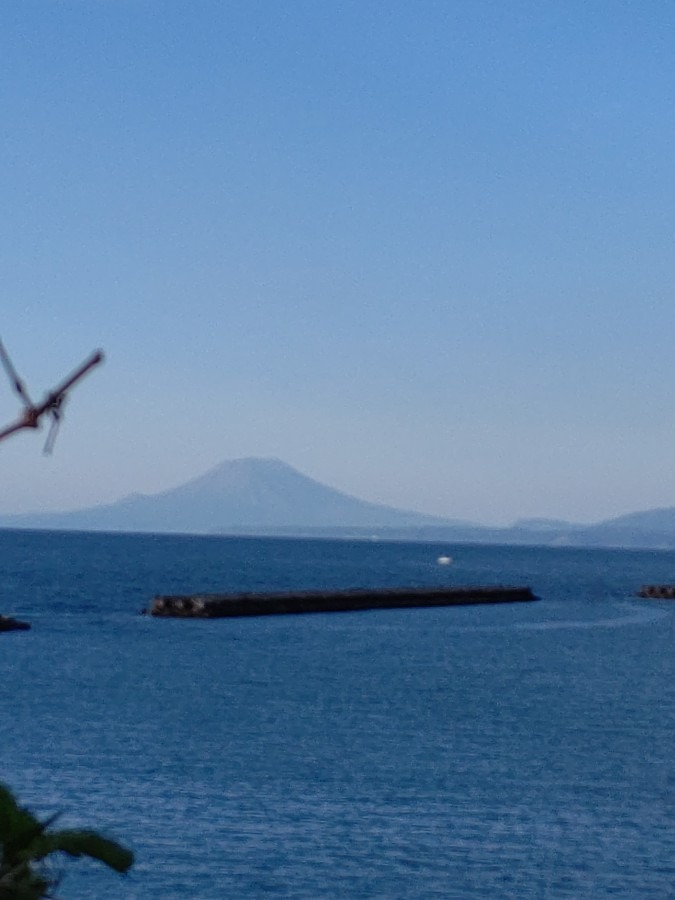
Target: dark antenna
[51,405]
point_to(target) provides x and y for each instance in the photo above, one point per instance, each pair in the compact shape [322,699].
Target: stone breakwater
[215,606]
[7,623]
[657,591]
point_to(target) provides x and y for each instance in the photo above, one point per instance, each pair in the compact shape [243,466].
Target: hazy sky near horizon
[423,252]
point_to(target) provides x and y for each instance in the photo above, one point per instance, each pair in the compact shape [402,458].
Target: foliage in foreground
[26,843]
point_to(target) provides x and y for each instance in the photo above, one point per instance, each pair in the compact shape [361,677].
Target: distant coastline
[479,536]
[268,498]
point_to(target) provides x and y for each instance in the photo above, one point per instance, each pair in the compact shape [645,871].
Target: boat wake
[633,617]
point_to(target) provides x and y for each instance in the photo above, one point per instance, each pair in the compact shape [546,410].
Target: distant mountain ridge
[250,495]
[260,496]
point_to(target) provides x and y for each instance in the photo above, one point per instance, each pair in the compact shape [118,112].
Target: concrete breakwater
[7,623]
[214,606]
[657,591]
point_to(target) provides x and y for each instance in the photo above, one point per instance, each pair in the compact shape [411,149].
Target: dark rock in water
[9,624]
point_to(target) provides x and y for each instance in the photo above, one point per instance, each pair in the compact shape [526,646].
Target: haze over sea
[502,751]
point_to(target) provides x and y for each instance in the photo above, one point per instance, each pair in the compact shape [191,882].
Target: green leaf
[22,883]
[18,830]
[13,819]
[85,843]
[25,842]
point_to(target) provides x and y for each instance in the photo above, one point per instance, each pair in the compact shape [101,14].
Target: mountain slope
[650,528]
[267,496]
[237,495]
[648,520]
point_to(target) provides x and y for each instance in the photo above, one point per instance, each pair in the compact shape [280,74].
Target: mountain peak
[250,466]
[252,463]
[248,470]
[249,493]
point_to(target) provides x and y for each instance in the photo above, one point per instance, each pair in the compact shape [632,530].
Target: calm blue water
[506,751]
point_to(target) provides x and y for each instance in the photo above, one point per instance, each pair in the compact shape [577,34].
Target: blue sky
[421,251]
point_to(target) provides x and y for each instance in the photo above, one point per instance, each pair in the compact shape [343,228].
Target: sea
[519,750]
